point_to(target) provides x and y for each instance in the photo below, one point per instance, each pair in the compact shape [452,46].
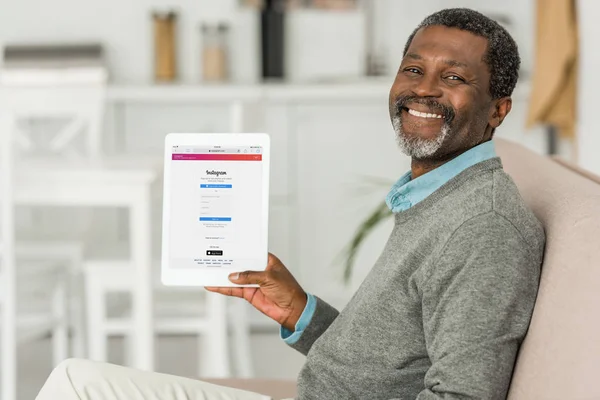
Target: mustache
[445,111]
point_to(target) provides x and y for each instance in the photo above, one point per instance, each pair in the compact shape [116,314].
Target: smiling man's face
[440,102]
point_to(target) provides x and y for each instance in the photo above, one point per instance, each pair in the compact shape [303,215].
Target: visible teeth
[422,114]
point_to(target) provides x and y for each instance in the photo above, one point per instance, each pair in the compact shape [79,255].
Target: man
[445,308]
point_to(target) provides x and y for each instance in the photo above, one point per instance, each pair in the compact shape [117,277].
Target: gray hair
[502,55]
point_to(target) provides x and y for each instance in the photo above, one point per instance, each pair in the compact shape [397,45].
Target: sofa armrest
[583,172]
[277,389]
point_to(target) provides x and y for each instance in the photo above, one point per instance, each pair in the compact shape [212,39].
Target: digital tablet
[215,207]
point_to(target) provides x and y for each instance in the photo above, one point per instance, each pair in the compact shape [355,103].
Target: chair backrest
[6,199]
[560,357]
[54,117]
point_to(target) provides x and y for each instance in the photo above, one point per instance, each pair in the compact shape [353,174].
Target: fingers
[249,294]
[246,293]
[275,264]
[227,291]
[273,259]
[249,277]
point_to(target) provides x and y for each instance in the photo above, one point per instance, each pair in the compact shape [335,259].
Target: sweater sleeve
[291,337]
[323,316]
[477,302]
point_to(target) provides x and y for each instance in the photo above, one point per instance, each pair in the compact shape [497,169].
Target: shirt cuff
[291,337]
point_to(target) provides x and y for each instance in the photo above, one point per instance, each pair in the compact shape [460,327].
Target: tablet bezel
[216,277]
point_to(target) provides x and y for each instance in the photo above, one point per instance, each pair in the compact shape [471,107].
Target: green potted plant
[348,254]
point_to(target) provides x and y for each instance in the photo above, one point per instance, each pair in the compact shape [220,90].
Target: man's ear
[499,110]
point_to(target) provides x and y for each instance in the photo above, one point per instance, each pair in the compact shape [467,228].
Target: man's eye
[455,78]
[412,70]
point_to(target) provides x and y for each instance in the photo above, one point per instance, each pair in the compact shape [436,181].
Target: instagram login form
[216,206]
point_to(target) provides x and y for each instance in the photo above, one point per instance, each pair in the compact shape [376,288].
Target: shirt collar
[406,192]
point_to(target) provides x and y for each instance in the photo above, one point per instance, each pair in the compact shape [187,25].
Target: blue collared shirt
[405,193]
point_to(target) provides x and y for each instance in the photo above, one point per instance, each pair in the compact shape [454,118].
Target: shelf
[361,90]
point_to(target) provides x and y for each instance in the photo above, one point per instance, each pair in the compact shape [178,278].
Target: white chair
[78,174]
[220,325]
[98,183]
[41,286]
[69,256]
[41,303]
[36,307]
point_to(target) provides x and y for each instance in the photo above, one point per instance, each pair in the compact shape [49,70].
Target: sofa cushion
[277,389]
[560,357]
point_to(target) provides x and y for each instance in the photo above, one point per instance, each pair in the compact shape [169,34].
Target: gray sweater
[443,311]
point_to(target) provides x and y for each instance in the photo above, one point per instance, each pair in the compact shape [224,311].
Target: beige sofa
[560,358]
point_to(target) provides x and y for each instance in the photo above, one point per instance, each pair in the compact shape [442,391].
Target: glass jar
[214,52]
[165,63]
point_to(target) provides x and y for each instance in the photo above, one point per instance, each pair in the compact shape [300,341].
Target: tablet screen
[216,198]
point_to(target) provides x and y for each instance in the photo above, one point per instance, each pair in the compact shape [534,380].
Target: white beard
[417,147]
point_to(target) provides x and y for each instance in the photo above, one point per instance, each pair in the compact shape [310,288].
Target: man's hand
[279,296]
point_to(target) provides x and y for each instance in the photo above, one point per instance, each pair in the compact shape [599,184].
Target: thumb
[248,277]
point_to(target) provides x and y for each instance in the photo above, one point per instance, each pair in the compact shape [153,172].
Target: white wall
[588,137]
[124,26]
[400,17]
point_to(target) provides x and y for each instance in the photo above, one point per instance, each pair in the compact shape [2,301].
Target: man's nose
[427,86]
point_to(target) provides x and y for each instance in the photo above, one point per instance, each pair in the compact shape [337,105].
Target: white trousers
[75,379]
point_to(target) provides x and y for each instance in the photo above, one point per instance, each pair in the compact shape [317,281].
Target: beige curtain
[555,75]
